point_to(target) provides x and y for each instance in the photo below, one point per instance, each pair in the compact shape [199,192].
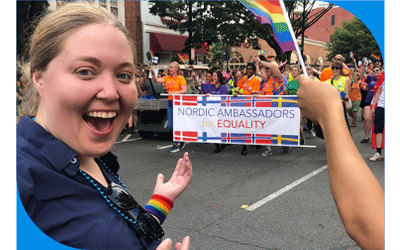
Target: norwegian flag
[226,74]
[238,101]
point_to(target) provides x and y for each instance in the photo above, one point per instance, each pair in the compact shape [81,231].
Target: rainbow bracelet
[159,206]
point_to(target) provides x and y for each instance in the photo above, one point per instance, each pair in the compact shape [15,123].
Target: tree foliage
[354,37]
[231,22]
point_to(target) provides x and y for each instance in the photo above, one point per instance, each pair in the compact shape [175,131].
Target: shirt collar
[60,155]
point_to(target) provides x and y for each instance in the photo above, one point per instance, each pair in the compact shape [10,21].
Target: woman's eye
[85,72]
[124,76]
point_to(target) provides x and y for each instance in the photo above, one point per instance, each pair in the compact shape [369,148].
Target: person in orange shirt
[174,84]
[355,97]
[327,73]
[249,83]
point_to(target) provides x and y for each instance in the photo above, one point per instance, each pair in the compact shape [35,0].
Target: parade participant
[355,97]
[291,89]
[272,84]
[248,84]
[379,120]
[342,84]
[327,73]
[82,67]
[313,73]
[379,82]
[357,193]
[237,77]
[218,88]
[371,81]
[174,84]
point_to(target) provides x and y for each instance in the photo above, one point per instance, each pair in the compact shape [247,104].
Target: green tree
[231,22]
[354,37]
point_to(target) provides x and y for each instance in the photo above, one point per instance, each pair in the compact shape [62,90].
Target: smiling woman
[82,68]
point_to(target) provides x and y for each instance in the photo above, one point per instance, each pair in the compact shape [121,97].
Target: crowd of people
[78,97]
[358,85]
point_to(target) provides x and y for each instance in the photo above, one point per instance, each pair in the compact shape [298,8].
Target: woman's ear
[37,80]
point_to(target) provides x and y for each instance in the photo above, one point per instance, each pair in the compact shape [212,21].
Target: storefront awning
[170,43]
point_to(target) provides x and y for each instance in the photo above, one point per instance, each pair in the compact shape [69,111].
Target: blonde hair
[48,38]
[176,64]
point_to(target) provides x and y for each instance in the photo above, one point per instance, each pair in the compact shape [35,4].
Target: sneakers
[177,147]
[266,153]
[364,140]
[376,157]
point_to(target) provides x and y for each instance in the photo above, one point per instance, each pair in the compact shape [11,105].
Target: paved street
[294,208]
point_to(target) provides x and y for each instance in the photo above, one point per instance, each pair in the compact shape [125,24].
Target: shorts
[355,106]
[379,120]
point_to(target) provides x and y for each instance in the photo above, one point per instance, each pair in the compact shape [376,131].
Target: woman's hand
[178,182]
[167,244]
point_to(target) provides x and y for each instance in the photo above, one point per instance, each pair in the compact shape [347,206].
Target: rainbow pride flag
[270,12]
[150,55]
[183,57]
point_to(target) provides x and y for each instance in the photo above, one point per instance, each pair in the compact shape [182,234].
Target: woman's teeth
[101,114]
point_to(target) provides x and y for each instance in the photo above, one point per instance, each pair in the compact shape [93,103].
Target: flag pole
[303,66]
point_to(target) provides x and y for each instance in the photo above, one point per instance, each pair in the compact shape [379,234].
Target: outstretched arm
[155,78]
[357,193]
[178,182]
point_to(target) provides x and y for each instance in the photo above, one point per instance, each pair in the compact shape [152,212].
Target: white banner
[256,120]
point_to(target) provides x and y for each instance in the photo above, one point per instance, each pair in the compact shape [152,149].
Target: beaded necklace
[97,186]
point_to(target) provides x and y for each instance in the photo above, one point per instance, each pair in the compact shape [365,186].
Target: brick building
[128,12]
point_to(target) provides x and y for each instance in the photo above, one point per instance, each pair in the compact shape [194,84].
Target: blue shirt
[371,81]
[61,201]
[210,88]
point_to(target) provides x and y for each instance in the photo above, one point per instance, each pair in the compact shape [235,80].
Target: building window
[114,7]
[333,20]
[103,3]
[236,61]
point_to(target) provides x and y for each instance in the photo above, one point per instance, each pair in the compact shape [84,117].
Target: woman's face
[295,72]
[239,75]
[215,77]
[87,91]
[371,66]
[336,70]
[265,73]
[356,76]
[208,77]
[173,70]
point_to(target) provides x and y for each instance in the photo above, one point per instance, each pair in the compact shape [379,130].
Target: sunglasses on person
[143,221]
[336,68]
[375,70]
